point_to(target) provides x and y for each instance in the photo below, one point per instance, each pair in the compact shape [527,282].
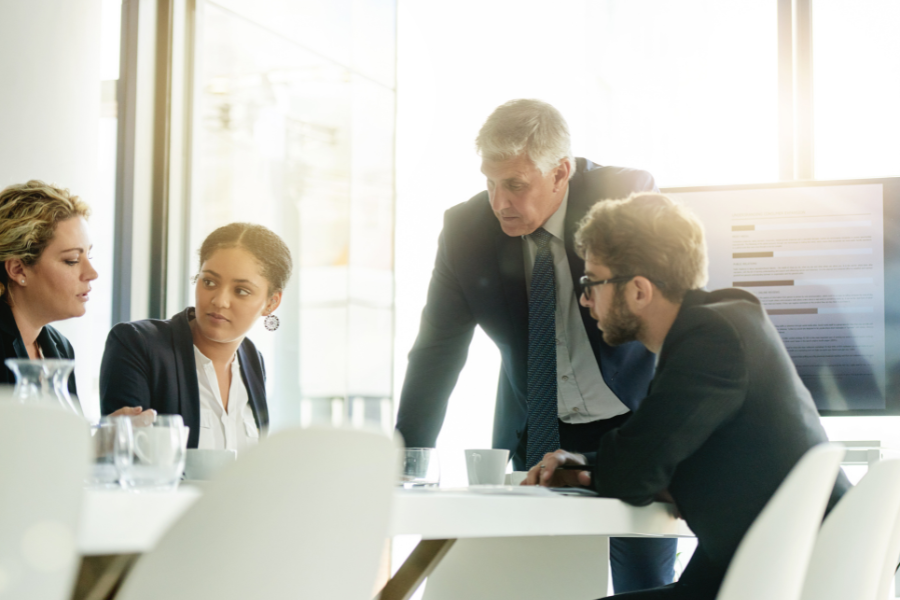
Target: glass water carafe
[43,381]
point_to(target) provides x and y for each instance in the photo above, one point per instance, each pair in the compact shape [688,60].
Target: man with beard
[726,417]
[506,263]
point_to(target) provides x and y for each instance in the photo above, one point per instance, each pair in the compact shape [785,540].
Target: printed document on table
[814,256]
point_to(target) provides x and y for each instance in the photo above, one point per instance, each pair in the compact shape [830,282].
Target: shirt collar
[204,360]
[556,224]
[201,358]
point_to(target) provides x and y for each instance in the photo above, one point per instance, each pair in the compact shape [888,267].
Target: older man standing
[506,262]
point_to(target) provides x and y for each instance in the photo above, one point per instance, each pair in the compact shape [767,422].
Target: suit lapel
[578,206]
[19,347]
[256,388]
[48,346]
[186,375]
[581,199]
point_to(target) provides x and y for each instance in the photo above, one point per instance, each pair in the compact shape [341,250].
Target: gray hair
[528,126]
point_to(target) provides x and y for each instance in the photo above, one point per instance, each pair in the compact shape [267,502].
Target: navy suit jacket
[53,344]
[479,279]
[151,364]
[725,421]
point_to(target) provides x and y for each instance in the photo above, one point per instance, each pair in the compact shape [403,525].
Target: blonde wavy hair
[647,234]
[29,213]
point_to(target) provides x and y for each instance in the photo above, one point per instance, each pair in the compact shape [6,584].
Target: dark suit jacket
[53,345]
[479,279]
[725,421]
[151,364]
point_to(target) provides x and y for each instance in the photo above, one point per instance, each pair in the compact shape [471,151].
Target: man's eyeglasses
[587,283]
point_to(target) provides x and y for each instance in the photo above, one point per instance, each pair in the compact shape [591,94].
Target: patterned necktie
[543,429]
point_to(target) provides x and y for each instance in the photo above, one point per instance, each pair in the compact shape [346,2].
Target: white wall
[50,105]
[49,114]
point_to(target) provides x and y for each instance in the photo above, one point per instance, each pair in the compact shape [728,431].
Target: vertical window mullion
[785,90]
[803,56]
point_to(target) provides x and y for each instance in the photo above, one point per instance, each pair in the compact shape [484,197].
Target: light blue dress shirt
[582,394]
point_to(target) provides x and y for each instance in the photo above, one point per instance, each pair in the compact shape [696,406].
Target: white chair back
[771,560]
[303,515]
[856,552]
[45,454]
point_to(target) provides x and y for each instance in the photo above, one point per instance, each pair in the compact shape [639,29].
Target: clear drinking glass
[31,384]
[59,370]
[158,455]
[113,443]
[420,468]
[43,381]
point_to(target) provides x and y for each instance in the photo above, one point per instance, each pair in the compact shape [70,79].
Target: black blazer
[479,279]
[151,364]
[53,344]
[725,421]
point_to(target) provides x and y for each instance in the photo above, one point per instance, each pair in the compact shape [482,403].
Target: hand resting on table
[551,476]
[139,416]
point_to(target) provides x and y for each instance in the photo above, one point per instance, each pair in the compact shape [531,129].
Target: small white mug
[486,467]
[157,445]
[159,451]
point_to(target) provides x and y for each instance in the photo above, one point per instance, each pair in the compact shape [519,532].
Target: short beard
[621,325]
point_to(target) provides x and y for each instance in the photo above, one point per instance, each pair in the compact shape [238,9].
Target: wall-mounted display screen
[824,259]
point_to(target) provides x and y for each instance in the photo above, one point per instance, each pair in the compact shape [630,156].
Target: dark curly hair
[269,249]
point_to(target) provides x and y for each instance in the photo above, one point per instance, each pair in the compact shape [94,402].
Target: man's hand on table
[547,473]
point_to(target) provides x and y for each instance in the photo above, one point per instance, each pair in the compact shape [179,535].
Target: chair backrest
[44,457]
[303,515]
[856,552]
[771,560]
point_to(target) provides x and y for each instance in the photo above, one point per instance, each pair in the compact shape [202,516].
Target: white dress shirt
[582,394]
[220,429]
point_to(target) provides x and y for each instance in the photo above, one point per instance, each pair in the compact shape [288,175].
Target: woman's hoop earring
[271,322]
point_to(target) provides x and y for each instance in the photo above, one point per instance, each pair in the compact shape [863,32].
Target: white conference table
[473,545]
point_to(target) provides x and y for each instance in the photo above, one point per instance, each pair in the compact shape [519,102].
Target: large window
[88,333]
[295,131]
[689,91]
[856,82]
[686,90]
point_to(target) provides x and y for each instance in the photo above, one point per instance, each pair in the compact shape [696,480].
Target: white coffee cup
[486,467]
[205,464]
[157,445]
[159,451]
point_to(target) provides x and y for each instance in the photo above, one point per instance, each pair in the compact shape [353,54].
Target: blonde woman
[45,247]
